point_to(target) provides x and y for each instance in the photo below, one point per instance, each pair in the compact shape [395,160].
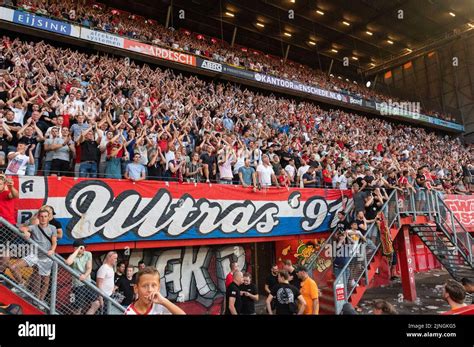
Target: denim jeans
[30,170]
[47,168]
[88,169]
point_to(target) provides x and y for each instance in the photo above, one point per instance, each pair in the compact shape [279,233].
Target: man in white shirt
[343,180]
[302,170]
[339,181]
[105,275]
[266,174]
[291,170]
[18,161]
[19,106]
[226,159]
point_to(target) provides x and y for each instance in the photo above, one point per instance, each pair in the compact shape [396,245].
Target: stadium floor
[428,288]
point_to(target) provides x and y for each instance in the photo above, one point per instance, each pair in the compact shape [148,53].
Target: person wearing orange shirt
[309,291]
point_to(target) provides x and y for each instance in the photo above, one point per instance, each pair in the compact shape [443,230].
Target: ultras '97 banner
[109,210]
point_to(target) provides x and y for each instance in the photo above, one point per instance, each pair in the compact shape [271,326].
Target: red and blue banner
[108,210]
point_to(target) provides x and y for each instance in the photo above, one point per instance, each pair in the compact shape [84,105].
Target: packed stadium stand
[146,163]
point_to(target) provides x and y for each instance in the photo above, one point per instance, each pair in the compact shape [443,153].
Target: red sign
[463,208]
[159,52]
[340,292]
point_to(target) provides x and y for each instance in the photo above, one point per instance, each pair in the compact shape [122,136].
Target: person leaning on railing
[45,236]
[341,244]
[83,298]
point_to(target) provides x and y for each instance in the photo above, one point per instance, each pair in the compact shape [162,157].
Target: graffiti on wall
[304,252]
[193,277]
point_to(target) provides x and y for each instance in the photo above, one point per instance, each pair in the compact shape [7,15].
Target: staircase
[60,295]
[440,244]
[362,271]
[440,231]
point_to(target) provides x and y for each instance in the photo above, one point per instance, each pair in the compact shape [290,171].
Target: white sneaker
[353,283]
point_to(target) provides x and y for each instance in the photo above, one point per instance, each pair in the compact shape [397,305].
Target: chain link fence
[46,280]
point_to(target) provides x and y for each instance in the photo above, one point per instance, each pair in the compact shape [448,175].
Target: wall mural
[193,277]
[303,252]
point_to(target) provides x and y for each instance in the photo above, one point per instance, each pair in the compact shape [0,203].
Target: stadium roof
[366,31]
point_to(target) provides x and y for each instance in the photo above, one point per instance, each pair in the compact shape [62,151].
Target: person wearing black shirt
[156,167]
[342,223]
[141,266]
[120,272]
[272,279]
[371,208]
[361,222]
[5,140]
[248,290]
[125,286]
[310,180]
[362,226]
[14,128]
[294,280]
[341,257]
[288,299]
[90,153]
[233,298]
[284,155]
[209,163]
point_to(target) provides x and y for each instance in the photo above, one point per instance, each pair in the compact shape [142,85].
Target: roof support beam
[234,34]
[286,53]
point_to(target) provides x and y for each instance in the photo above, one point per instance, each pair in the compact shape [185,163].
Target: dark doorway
[263,257]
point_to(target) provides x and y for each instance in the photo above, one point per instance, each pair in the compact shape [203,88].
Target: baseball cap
[78,243]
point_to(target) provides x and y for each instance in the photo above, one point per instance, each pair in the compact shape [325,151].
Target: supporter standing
[249,293]
[233,297]
[85,299]
[288,299]
[45,235]
[309,291]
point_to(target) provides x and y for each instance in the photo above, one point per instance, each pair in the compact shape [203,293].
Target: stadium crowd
[99,17]
[62,111]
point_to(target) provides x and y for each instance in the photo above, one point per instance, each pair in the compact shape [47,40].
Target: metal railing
[430,203]
[447,220]
[421,202]
[47,281]
[328,271]
[356,270]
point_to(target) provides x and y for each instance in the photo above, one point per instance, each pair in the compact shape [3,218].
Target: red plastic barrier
[7,297]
